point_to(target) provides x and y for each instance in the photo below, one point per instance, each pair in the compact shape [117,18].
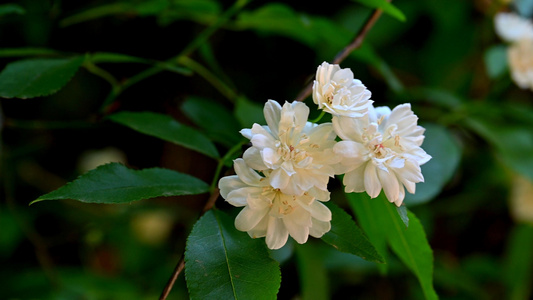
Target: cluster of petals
[283,176]
[337,92]
[282,179]
[270,213]
[382,151]
[519,32]
[298,153]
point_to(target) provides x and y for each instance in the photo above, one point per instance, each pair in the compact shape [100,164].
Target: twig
[181,263]
[356,43]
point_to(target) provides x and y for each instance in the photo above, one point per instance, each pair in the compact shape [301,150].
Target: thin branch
[356,43]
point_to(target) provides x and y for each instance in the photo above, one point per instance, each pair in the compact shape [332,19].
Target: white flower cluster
[282,179]
[519,32]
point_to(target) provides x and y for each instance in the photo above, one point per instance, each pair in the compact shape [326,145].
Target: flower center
[293,154]
[281,204]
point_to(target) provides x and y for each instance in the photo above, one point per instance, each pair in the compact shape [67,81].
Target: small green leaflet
[114,183]
[37,77]
[383,224]
[347,237]
[223,263]
[385,6]
[168,129]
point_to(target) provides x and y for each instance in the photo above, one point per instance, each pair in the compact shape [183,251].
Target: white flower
[511,27]
[382,150]
[271,213]
[520,56]
[337,92]
[299,153]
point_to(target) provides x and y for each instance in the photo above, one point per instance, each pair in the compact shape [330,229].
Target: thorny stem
[356,43]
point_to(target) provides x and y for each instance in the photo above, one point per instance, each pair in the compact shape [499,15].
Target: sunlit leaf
[168,129]
[496,60]
[37,77]
[446,154]
[384,5]
[383,224]
[313,275]
[214,118]
[347,237]
[223,263]
[114,183]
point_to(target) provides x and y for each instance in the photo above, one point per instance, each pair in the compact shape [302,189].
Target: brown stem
[181,264]
[356,43]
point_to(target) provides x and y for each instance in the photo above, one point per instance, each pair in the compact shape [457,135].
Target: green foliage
[10,8]
[384,5]
[248,112]
[446,154]
[114,183]
[347,237]
[223,263]
[313,274]
[519,262]
[168,129]
[383,224]
[215,119]
[37,77]
[496,61]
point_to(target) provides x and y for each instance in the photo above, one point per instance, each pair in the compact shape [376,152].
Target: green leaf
[519,262]
[384,5]
[114,183]
[10,8]
[524,7]
[402,212]
[347,237]
[313,275]
[37,77]
[214,118]
[97,12]
[446,154]
[381,221]
[109,57]
[27,51]
[223,263]
[514,144]
[168,129]
[248,112]
[496,61]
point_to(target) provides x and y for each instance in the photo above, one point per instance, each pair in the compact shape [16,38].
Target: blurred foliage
[211,65]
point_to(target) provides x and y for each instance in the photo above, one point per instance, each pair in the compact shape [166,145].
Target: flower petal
[390,184]
[249,218]
[277,234]
[372,183]
[245,173]
[272,112]
[319,228]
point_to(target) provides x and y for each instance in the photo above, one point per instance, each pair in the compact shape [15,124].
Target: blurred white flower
[337,92]
[520,55]
[521,199]
[382,150]
[299,153]
[271,213]
[512,28]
